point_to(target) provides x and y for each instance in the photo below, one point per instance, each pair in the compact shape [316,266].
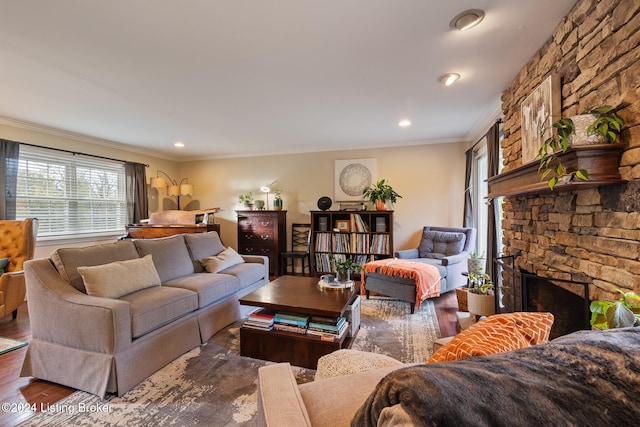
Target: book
[330,328]
[292,316]
[324,319]
[323,334]
[263,313]
[300,323]
[257,327]
[289,328]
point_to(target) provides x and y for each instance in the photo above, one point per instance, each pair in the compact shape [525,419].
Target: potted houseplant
[480,298]
[277,201]
[476,262]
[344,266]
[381,194]
[246,200]
[618,314]
[600,125]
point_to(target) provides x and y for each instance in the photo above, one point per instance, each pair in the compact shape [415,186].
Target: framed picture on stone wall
[538,111]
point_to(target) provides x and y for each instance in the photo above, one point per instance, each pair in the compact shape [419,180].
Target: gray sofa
[447,248]
[109,344]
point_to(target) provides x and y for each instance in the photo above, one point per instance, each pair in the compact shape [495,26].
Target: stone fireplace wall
[590,235]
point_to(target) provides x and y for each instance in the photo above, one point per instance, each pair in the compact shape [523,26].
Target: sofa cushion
[119,278]
[225,259]
[67,260]
[438,244]
[248,273]
[202,245]
[154,307]
[497,334]
[209,287]
[170,256]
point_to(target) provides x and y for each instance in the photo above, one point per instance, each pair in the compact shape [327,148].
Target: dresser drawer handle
[248,236]
[265,251]
[248,250]
[265,237]
[265,223]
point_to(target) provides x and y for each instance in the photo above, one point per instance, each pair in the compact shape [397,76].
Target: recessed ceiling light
[179,144]
[404,123]
[449,78]
[467,19]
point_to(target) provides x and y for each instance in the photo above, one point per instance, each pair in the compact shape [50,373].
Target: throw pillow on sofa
[497,334]
[120,278]
[225,259]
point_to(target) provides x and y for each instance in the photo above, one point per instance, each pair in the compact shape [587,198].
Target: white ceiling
[253,77]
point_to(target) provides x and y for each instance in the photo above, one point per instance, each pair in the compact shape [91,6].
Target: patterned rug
[9,344]
[213,385]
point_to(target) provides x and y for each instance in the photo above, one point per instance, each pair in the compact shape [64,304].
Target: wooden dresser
[263,233]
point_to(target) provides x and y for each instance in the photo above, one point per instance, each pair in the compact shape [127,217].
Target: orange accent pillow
[497,334]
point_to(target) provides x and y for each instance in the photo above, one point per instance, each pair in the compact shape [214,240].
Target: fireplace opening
[568,302]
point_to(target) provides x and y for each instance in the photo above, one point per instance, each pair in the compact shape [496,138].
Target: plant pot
[481,305]
[277,205]
[343,277]
[382,205]
[476,265]
[248,205]
[259,204]
[579,136]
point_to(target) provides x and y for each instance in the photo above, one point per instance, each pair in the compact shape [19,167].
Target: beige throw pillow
[223,260]
[120,278]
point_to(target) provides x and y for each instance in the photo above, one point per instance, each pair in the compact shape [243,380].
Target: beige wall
[430,178]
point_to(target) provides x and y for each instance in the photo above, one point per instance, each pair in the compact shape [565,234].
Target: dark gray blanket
[588,378]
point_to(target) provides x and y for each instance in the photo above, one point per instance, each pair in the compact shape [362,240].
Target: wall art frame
[538,111]
[351,177]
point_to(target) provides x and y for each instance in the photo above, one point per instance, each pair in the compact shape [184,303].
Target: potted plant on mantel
[277,201]
[480,298]
[344,266]
[600,125]
[381,194]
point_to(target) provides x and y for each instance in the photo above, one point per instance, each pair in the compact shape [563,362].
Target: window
[71,195]
[481,213]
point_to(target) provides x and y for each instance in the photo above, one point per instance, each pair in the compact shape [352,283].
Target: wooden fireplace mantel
[601,161]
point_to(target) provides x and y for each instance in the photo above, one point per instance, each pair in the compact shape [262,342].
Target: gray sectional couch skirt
[102,320]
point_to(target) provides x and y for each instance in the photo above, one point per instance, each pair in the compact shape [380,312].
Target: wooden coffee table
[295,294]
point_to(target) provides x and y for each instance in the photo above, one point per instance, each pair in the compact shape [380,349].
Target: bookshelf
[359,235]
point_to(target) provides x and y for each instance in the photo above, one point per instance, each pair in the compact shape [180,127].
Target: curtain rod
[498,121]
[76,153]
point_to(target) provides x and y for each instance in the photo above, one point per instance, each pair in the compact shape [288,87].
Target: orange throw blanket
[426,276]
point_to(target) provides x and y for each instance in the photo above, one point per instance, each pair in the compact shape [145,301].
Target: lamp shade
[158,182]
[186,189]
[173,190]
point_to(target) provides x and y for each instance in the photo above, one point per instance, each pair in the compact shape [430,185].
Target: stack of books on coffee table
[328,328]
[261,320]
[291,322]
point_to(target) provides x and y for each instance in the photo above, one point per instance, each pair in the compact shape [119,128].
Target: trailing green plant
[607,123]
[344,264]
[381,191]
[246,198]
[278,195]
[480,283]
[616,314]
[476,255]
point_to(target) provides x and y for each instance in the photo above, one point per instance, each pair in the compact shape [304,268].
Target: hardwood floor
[33,394]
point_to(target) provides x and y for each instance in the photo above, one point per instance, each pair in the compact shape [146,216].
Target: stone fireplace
[580,234]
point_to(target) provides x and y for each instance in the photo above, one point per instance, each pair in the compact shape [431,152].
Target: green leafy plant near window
[616,314]
[607,123]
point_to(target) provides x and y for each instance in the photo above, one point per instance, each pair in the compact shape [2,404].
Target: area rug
[214,386]
[9,344]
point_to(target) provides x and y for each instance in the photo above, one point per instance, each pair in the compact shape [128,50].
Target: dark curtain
[137,201]
[9,152]
[493,158]
[467,221]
